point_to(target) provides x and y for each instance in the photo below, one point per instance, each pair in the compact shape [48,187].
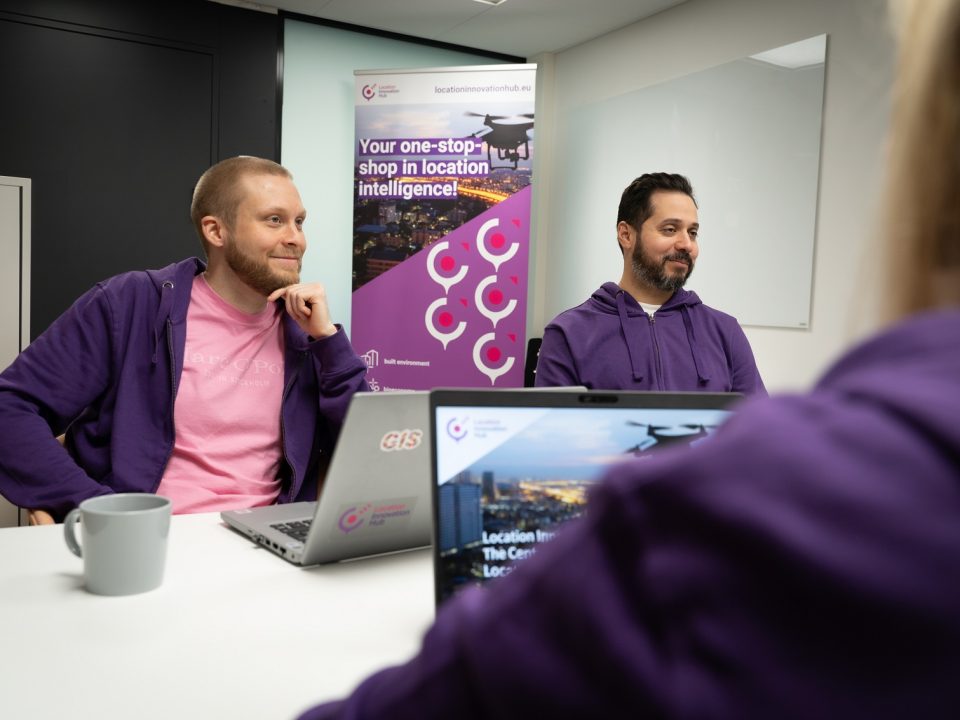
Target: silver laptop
[376,496]
[509,468]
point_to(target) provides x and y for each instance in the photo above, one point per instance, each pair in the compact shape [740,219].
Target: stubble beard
[648,271]
[256,273]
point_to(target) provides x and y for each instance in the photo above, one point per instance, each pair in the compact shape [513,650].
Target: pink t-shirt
[227,449]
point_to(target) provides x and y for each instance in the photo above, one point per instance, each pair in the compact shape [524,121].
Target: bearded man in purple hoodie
[647,332]
[804,563]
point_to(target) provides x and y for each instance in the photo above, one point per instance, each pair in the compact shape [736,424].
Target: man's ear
[626,236]
[213,229]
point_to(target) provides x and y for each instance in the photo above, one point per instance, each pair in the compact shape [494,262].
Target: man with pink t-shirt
[220,385]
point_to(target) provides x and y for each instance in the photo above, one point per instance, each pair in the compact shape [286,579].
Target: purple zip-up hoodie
[106,373]
[610,343]
[802,563]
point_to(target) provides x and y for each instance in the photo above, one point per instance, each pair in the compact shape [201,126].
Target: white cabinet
[14,284]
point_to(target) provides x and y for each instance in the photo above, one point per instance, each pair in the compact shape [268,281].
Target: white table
[233,632]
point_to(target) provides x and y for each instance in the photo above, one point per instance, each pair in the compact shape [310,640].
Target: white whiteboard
[747,135]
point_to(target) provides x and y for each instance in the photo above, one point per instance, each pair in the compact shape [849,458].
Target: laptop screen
[510,467]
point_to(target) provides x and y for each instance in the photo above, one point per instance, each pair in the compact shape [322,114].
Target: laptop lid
[375,497]
[509,468]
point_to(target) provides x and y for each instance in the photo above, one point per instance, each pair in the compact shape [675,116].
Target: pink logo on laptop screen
[457,429]
[352,518]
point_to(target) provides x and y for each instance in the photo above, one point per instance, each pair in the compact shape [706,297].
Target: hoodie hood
[605,299]
[912,370]
[611,298]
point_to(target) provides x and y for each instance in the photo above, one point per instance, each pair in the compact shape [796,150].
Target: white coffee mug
[124,541]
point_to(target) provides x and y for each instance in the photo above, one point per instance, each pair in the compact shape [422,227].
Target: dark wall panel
[112,131]
[248,84]
[119,107]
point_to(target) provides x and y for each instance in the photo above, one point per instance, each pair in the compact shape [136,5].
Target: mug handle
[73,517]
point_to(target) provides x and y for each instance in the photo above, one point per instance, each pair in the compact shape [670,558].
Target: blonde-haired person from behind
[922,211]
[805,563]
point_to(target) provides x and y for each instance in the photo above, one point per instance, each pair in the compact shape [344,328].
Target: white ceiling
[517,27]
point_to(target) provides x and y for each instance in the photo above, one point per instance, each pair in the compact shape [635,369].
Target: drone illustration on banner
[508,138]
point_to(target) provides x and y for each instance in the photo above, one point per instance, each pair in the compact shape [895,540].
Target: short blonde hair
[219,192]
[922,198]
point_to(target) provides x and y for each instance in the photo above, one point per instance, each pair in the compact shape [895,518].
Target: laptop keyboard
[297,529]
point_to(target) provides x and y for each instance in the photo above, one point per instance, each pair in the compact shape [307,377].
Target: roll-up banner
[441,230]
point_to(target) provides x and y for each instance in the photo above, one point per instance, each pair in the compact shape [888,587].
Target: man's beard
[648,271]
[257,273]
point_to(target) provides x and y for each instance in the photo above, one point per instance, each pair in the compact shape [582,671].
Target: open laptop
[376,496]
[509,468]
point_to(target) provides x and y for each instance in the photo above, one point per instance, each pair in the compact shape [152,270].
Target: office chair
[530,364]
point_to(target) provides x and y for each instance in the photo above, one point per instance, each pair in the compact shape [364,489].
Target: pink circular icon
[445,319]
[447,264]
[495,297]
[493,354]
[497,240]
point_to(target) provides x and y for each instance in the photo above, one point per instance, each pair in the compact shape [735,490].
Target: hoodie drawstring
[694,349]
[634,356]
[163,314]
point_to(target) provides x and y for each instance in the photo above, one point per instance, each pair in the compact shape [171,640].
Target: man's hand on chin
[307,304]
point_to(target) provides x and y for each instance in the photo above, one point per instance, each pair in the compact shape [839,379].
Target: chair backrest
[530,364]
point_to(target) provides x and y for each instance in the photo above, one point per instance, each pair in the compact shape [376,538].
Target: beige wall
[700,34]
